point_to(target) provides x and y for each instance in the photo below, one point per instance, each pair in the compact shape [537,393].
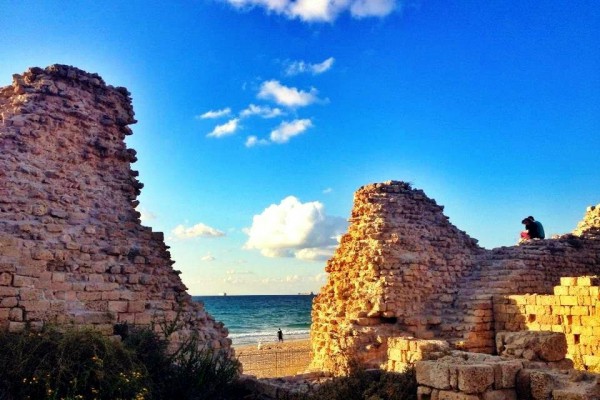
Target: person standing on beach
[280,335]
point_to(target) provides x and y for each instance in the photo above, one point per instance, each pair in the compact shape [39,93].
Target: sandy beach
[274,359]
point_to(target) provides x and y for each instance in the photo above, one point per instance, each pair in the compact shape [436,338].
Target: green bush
[84,364]
[190,372]
[68,365]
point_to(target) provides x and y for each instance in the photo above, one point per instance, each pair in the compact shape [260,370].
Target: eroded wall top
[72,247]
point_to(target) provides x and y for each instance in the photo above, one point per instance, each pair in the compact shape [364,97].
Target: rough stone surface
[571,311]
[433,374]
[403,270]
[590,224]
[475,378]
[544,346]
[72,247]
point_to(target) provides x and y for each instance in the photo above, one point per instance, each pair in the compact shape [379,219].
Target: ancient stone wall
[403,270]
[573,310]
[72,248]
[395,271]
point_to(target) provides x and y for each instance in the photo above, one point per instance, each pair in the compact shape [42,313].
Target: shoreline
[267,338]
[266,347]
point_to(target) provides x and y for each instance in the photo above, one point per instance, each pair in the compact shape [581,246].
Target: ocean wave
[267,334]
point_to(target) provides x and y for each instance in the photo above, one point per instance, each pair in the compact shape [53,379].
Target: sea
[256,319]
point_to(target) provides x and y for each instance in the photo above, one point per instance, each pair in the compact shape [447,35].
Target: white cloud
[198,230]
[282,134]
[314,10]
[261,111]
[300,67]
[322,67]
[252,141]
[208,258]
[287,96]
[287,130]
[316,253]
[294,229]
[277,6]
[320,10]
[232,279]
[225,129]
[146,216]
[236,272]
[215,113]
[327,190]
[372,8]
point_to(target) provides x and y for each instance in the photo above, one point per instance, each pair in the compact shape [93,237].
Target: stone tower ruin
[404,271]
[72,248]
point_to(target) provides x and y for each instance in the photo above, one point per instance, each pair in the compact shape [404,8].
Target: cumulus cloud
[252,141]
[215,114]
[295,229]
[316,253]
[225,129]
[301,67]
[320,10]
[261,111]
[286,96]
[198,230]
[282,134]
[287,130]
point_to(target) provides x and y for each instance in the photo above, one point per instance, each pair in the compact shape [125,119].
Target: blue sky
[258,119]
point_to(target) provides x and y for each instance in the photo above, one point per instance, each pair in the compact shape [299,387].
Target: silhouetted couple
[280,335]
[533,229]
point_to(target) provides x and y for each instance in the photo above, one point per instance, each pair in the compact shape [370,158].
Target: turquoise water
[253,319]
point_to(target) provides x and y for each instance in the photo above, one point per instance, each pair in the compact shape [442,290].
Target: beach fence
[274,362]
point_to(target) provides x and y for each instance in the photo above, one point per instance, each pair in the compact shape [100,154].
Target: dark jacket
[533,230]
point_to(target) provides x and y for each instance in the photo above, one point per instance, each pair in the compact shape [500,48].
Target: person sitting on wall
[540,227]
[531,230]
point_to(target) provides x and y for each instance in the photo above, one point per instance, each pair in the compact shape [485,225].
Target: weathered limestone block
[505,373]
[506,394]
[433,374]
[545,346]
[475,378]
[546,384]
[447,395]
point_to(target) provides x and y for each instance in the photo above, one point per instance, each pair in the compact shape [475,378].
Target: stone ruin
[72,247]
[404,278]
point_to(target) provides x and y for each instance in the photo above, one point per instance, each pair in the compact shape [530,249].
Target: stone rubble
[72,247]
[476,376]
